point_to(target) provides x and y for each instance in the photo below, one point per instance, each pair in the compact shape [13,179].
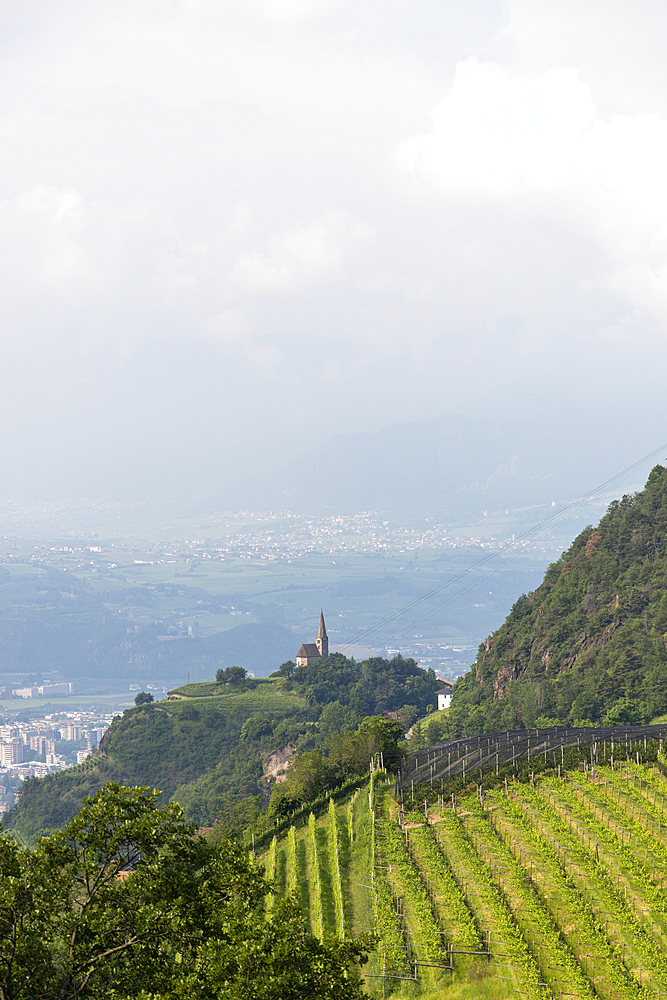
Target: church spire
[322,637]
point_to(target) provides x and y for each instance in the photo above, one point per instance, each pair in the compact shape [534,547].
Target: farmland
[548,888]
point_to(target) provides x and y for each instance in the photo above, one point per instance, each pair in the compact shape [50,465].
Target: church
[311,652]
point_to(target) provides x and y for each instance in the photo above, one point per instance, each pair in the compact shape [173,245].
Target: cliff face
[591,642]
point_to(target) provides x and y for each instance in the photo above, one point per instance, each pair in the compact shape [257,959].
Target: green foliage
[232,675]
[470,868]
[371,687]
[315,868]
[206,745]
[334,867]
[458,918]
[285,669]
[190,749]
[127,902]
[334,718]
[591,642]
[311,774]
[143,698]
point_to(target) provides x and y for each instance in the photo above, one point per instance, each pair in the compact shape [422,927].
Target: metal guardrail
[472,753]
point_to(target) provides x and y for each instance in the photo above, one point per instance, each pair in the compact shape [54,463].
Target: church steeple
[322,637]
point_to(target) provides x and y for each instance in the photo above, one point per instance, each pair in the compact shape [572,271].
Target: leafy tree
[285,669]
[406,716]
[232,675]
[313,773]
[256,729]
[128,902]
[371,687]
[334,718]
[143,698]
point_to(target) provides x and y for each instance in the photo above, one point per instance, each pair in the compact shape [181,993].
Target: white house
[444,695]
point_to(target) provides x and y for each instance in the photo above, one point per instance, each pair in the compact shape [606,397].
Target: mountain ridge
[590,643]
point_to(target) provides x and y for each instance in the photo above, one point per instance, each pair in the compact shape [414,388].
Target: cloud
[538,147]
[431,207]
[300,255]
[493,130]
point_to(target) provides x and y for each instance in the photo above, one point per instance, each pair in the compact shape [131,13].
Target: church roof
[322,631]
[308,649]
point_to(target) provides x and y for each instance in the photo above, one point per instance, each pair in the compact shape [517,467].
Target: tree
[128,902]
[286,669]
[232,675]
[334,718]
[143,698]
[406,716]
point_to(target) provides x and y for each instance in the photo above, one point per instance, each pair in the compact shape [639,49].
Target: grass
[265,698]
[212,689]
[326,878]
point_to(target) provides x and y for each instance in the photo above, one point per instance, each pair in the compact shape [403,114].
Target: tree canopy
[370,687]
[127,902]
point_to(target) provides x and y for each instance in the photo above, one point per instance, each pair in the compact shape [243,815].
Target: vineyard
[550,887]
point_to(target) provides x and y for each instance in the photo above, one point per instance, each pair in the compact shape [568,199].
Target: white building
[47,690]
[444,695]
[12,752]
[70,732]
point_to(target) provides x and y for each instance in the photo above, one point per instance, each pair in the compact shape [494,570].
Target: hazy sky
[230,228]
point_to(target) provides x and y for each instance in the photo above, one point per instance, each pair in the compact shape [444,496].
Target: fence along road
[497,750]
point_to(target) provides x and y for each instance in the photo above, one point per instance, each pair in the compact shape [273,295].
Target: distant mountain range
[448,465]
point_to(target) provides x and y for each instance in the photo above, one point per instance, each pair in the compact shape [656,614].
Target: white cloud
[300,255]
[538,148]
[437,204]
[493,130]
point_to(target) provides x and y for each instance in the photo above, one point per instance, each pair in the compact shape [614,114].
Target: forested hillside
[207,746]
[590,644]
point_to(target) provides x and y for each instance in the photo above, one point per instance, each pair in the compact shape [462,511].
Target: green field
[267,696]
[555,890]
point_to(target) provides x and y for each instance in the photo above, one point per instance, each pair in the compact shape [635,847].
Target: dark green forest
[589,645]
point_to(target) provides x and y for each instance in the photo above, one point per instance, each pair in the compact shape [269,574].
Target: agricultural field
[260,696]
[551,888]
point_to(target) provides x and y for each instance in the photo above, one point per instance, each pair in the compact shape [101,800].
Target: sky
[230,231]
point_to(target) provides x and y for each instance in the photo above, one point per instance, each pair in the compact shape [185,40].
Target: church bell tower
[322,638]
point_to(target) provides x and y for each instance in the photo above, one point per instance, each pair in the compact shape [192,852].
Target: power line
[506,547]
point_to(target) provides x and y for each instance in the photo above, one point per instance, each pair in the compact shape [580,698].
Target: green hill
[591,642]
[207,745]
[167,746]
